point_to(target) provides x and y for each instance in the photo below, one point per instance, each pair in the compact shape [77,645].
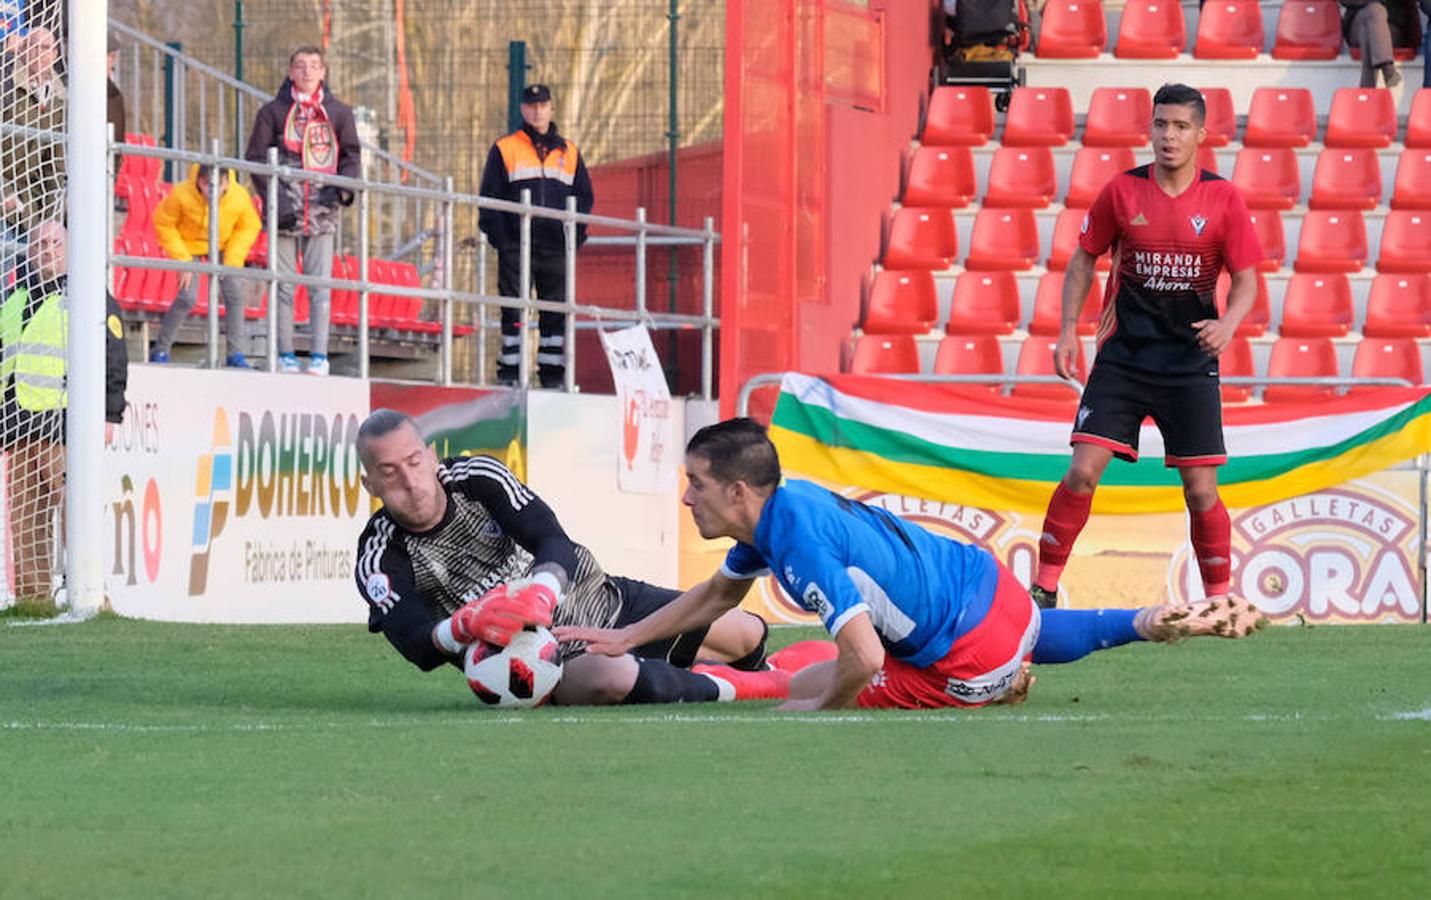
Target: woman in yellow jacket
[181,222]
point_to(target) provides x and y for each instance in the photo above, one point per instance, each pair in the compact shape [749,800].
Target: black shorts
[639,600]
[1187,411]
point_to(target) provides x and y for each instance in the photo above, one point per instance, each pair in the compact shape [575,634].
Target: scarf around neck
[308,132]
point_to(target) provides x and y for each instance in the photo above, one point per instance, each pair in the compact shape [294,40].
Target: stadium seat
[1255,323]
[1406,242]
[1412,187]
[1268,177]
[1308,29]
[1317,306]
[1118,117]
[901,303]
[1280,117]
[1399,306]
[959,116]
[1072,29]
[1418,120]
[1346,178]
[1236,361]
[880,354]
[1268,225]
[940,176]
[970,354]
[1333,240]
[1229,29]
[921,237]
[1038,117]
[1221,121]
[1294,357]
[1003,239]
[1036,358]
[1207,159]
[1066,229]
[1021,177]
[1094,167]
[984,303]
[1387,358]
[1151,29]
[1048,306]
[1361,117]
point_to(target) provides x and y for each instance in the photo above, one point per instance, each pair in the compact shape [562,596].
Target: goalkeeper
[464,551]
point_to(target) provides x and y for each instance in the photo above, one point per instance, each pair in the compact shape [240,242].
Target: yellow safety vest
[35,353]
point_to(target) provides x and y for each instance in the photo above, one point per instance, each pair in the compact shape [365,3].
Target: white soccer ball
[520,675]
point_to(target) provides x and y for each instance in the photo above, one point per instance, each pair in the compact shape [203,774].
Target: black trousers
[549,279]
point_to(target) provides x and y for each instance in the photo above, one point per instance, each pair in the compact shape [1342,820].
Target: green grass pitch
[152,760]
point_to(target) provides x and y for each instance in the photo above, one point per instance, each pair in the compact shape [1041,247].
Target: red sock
[1212,544]
[1066,516]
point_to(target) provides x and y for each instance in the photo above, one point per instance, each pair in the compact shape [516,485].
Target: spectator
[116,115]
[536,158]
[1426,45]
[315,132]
[33,322]
[31,165]
[1367,28]
[182,223]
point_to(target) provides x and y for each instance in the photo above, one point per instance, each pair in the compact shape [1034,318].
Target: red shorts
[979,668]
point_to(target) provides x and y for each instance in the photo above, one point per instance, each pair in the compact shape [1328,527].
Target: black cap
[536,93]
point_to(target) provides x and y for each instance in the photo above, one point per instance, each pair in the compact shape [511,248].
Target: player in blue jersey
[919,620]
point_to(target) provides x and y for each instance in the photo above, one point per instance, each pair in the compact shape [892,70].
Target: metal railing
[448,297]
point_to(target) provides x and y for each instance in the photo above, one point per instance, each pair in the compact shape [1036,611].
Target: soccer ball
[520,675]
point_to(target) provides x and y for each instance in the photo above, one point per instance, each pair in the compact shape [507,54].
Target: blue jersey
[839,558]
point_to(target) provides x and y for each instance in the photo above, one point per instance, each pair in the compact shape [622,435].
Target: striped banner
[949,443]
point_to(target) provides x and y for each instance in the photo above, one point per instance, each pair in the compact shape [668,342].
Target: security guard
[535,158]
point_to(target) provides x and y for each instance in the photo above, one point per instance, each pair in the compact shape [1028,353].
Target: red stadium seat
[1003,239]
[1236,361]
[1038,117]
[1072,29]
[1093,167]
[1418,120]
[970,354]
[1268,177]
[984,303]
[1221,121]
[901,303]
[959,117]
[1346,178]
[1066,229]
[1021,177]
[1048,306]
[1361,117]
[1036,358]
[921,237]
[1412,188]
[1207,159]
[1317,306]
[1308,29]
[1387,358]
[1280,117]
[940,176]
[344,308]
[1229,29]
[1333,240]
[1406,242]
[1118,117]
[1301,358]
[1255,323]
[885,354]
[1268,225]
[1151,29]
[1399,306]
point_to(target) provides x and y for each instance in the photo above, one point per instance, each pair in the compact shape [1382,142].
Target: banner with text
[649,452]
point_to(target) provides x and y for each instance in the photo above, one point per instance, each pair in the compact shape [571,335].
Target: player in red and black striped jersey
[462,550]
[1172,228]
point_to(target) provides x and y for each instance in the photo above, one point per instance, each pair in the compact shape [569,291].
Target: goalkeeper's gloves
[497,616]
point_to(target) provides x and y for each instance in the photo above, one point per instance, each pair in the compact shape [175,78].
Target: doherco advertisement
[236,499]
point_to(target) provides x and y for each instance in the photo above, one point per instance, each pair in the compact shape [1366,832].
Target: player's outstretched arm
[861,657]
[701,605]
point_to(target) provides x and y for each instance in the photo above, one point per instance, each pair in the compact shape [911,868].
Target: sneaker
[803,654]
[734,684]
[1391,75]
[318,364]
[1220,616]
[236,360]
[159,356]
[505,378]
[288,364]
[1043,597]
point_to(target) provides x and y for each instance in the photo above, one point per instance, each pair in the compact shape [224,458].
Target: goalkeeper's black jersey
[495,530]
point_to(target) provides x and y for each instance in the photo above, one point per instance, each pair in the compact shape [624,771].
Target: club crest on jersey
[1198,224]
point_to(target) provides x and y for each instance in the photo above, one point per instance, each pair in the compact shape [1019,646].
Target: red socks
[1067,514]
[1212,544]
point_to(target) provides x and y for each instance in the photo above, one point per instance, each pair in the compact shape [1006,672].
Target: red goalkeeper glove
[499,614]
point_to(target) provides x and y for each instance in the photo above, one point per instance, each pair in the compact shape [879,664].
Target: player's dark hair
[308,50]
[738,450]
[379,423]
[1182,95]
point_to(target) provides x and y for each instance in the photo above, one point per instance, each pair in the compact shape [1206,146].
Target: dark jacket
[304,207]
[116,361]
[560,173]
[116,116]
